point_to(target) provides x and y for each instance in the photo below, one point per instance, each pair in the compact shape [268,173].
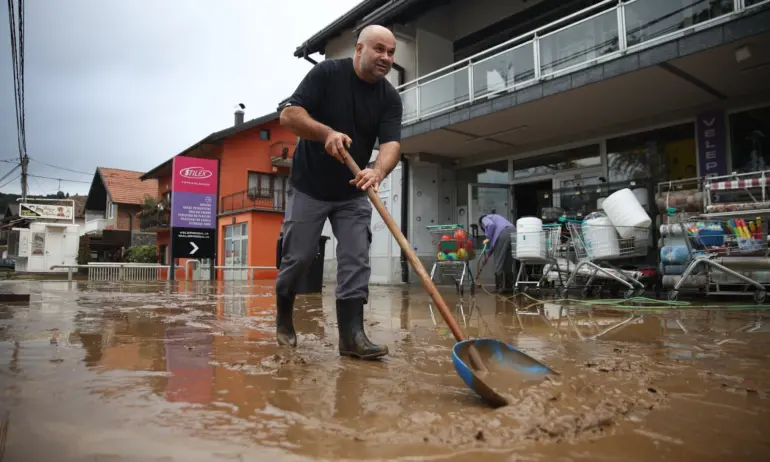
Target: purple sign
[193,210]
[710,131]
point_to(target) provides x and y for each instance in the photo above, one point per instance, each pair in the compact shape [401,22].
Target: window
[268,186]
[111,210]
[236,243]
[264,134]
[494,172]
[569,159]
[666,154]
[260,184]
[750,139]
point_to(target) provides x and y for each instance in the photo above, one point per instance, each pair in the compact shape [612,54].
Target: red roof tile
[125,187]
[80,205]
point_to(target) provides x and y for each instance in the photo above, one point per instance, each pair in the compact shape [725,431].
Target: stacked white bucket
[600,237]
[624,213]
[530,239]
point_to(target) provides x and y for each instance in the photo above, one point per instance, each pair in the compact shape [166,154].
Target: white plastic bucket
[625,212]
[529,238]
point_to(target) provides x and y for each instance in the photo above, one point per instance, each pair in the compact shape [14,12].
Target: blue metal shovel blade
[508,368]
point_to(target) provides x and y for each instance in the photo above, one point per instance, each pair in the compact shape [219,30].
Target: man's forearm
[301,124]
[388,158]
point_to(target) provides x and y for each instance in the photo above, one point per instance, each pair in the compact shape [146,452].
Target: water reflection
[203,361]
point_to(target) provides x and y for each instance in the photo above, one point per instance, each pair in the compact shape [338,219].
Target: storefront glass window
[493,172]
[666,154]
[750,139]
[570,159]
[236,249]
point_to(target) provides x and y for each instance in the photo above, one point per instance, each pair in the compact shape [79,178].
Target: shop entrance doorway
[532,199]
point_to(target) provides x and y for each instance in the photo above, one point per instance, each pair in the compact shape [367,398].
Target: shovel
[491,361]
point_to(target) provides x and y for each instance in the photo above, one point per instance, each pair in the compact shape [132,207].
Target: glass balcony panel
[580,43]
[504,70]
[649,19]
[444,92]
[409,104]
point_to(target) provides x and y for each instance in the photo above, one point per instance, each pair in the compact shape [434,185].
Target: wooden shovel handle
[410,255]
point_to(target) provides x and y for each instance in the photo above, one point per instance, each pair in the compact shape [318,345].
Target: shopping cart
[536,250]
[455,252]
[729,251]
[594,244]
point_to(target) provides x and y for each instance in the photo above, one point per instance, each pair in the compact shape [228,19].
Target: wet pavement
[121,372]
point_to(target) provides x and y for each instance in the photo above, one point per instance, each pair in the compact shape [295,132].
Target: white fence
[123,272]
[129,272]
[139,272]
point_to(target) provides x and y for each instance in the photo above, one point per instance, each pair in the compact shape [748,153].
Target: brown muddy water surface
[108,372]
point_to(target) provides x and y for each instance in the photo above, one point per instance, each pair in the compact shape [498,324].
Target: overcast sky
[128,84]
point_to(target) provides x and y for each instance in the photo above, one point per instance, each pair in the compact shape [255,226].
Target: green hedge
[142,254]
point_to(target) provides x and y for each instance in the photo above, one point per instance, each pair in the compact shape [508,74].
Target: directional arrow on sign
[195,247]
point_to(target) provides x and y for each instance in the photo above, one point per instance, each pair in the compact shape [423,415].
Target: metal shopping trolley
[733,252]
[537,250]
[595,243]
[455,252]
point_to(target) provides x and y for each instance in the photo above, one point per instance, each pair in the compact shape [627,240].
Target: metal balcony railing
[268,199]
[596,34]
[155,220]
[282,149]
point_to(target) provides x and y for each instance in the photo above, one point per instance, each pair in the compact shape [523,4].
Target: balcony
[265,199]
[155,221]
[281,153]
[600,33]
[95,225]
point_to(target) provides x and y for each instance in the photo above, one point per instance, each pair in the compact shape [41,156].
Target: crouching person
[498,231]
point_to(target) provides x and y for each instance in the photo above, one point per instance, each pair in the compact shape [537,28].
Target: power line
[42,190]
[9,173]
[58,179]
[61,168]
[10,181]
[17,56]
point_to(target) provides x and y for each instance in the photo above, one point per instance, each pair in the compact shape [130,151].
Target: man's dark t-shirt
[335,96]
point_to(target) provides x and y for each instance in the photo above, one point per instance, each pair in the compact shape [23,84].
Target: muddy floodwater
[146,372]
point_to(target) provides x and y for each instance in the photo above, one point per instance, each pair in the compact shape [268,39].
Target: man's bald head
[375,48]
[375,33]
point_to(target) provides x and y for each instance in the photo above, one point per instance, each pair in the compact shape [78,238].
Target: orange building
[254,161]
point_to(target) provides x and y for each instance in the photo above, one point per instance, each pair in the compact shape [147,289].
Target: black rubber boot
[508,279]
[284,321]
[353,339]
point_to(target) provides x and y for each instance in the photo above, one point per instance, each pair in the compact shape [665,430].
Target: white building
[46,234]
[543,107]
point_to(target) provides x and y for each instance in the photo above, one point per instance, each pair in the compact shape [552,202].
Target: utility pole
[24,177]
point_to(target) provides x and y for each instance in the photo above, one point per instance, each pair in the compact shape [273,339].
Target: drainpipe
[130,229]
[404,215]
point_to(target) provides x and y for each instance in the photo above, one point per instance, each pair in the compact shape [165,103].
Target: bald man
[342,105]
